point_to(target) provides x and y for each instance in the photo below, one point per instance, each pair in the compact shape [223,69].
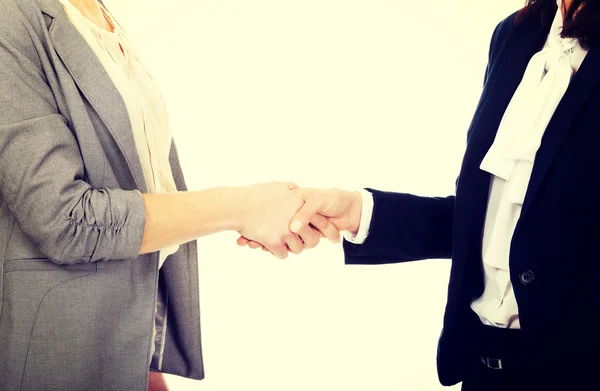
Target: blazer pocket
[44,264]
[56,272]
[27,285]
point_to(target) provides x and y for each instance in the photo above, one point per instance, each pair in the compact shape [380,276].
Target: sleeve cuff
[123,239]
[365,219]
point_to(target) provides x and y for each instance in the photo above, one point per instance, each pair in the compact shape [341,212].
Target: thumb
[311,207]
[305,192]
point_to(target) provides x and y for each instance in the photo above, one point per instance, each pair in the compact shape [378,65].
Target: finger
[326,227]
[304,192]
[311,207]
[242,241]
[266,249]
[254,245]
[280,251]
[294,244]
[309,236]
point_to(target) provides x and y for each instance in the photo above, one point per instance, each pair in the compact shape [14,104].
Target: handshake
[281,217]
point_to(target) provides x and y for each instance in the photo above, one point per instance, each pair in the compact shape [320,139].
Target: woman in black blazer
[523,229]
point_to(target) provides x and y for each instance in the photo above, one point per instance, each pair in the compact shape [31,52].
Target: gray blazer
[77,303]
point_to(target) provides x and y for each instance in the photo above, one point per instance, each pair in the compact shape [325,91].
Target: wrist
[355,212]
[233,203]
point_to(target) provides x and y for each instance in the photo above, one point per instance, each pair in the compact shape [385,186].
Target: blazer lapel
[97,86]
[505,74]
[583,83]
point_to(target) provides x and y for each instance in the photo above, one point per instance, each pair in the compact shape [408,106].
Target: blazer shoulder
[506,24]
[22,31]
[501,33]
[20,18]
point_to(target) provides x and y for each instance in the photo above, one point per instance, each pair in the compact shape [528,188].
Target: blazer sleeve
[41,170]
[406,227]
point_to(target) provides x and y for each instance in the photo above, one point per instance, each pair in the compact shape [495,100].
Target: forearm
[176,218]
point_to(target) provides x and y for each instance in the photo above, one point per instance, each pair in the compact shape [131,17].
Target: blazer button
[526,277]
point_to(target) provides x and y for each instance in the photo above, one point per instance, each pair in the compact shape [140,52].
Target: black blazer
[554,260]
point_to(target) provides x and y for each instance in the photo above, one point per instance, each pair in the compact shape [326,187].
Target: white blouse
[510,160]
[142,97]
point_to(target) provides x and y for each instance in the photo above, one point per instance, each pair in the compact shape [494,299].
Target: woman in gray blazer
[84,304]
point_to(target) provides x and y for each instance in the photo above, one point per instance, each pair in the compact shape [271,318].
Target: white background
[331,93]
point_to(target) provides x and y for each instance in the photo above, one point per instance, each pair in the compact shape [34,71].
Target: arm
[402,227]
[42,183]
[176,218]
[399,227]
[405,227]
[41,170]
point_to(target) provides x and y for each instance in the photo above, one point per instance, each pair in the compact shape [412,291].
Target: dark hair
[582,19]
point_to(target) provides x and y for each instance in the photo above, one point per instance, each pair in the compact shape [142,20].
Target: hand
[329,211]
[319,227]
[266,212]
[342,208]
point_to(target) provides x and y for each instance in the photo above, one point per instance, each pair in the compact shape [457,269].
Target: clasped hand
[281,217]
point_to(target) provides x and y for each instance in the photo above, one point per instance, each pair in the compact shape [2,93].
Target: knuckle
[319,221]
[311,239]
[272,244]
[331,229]
[312,243]
[296,248]
[332,234]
